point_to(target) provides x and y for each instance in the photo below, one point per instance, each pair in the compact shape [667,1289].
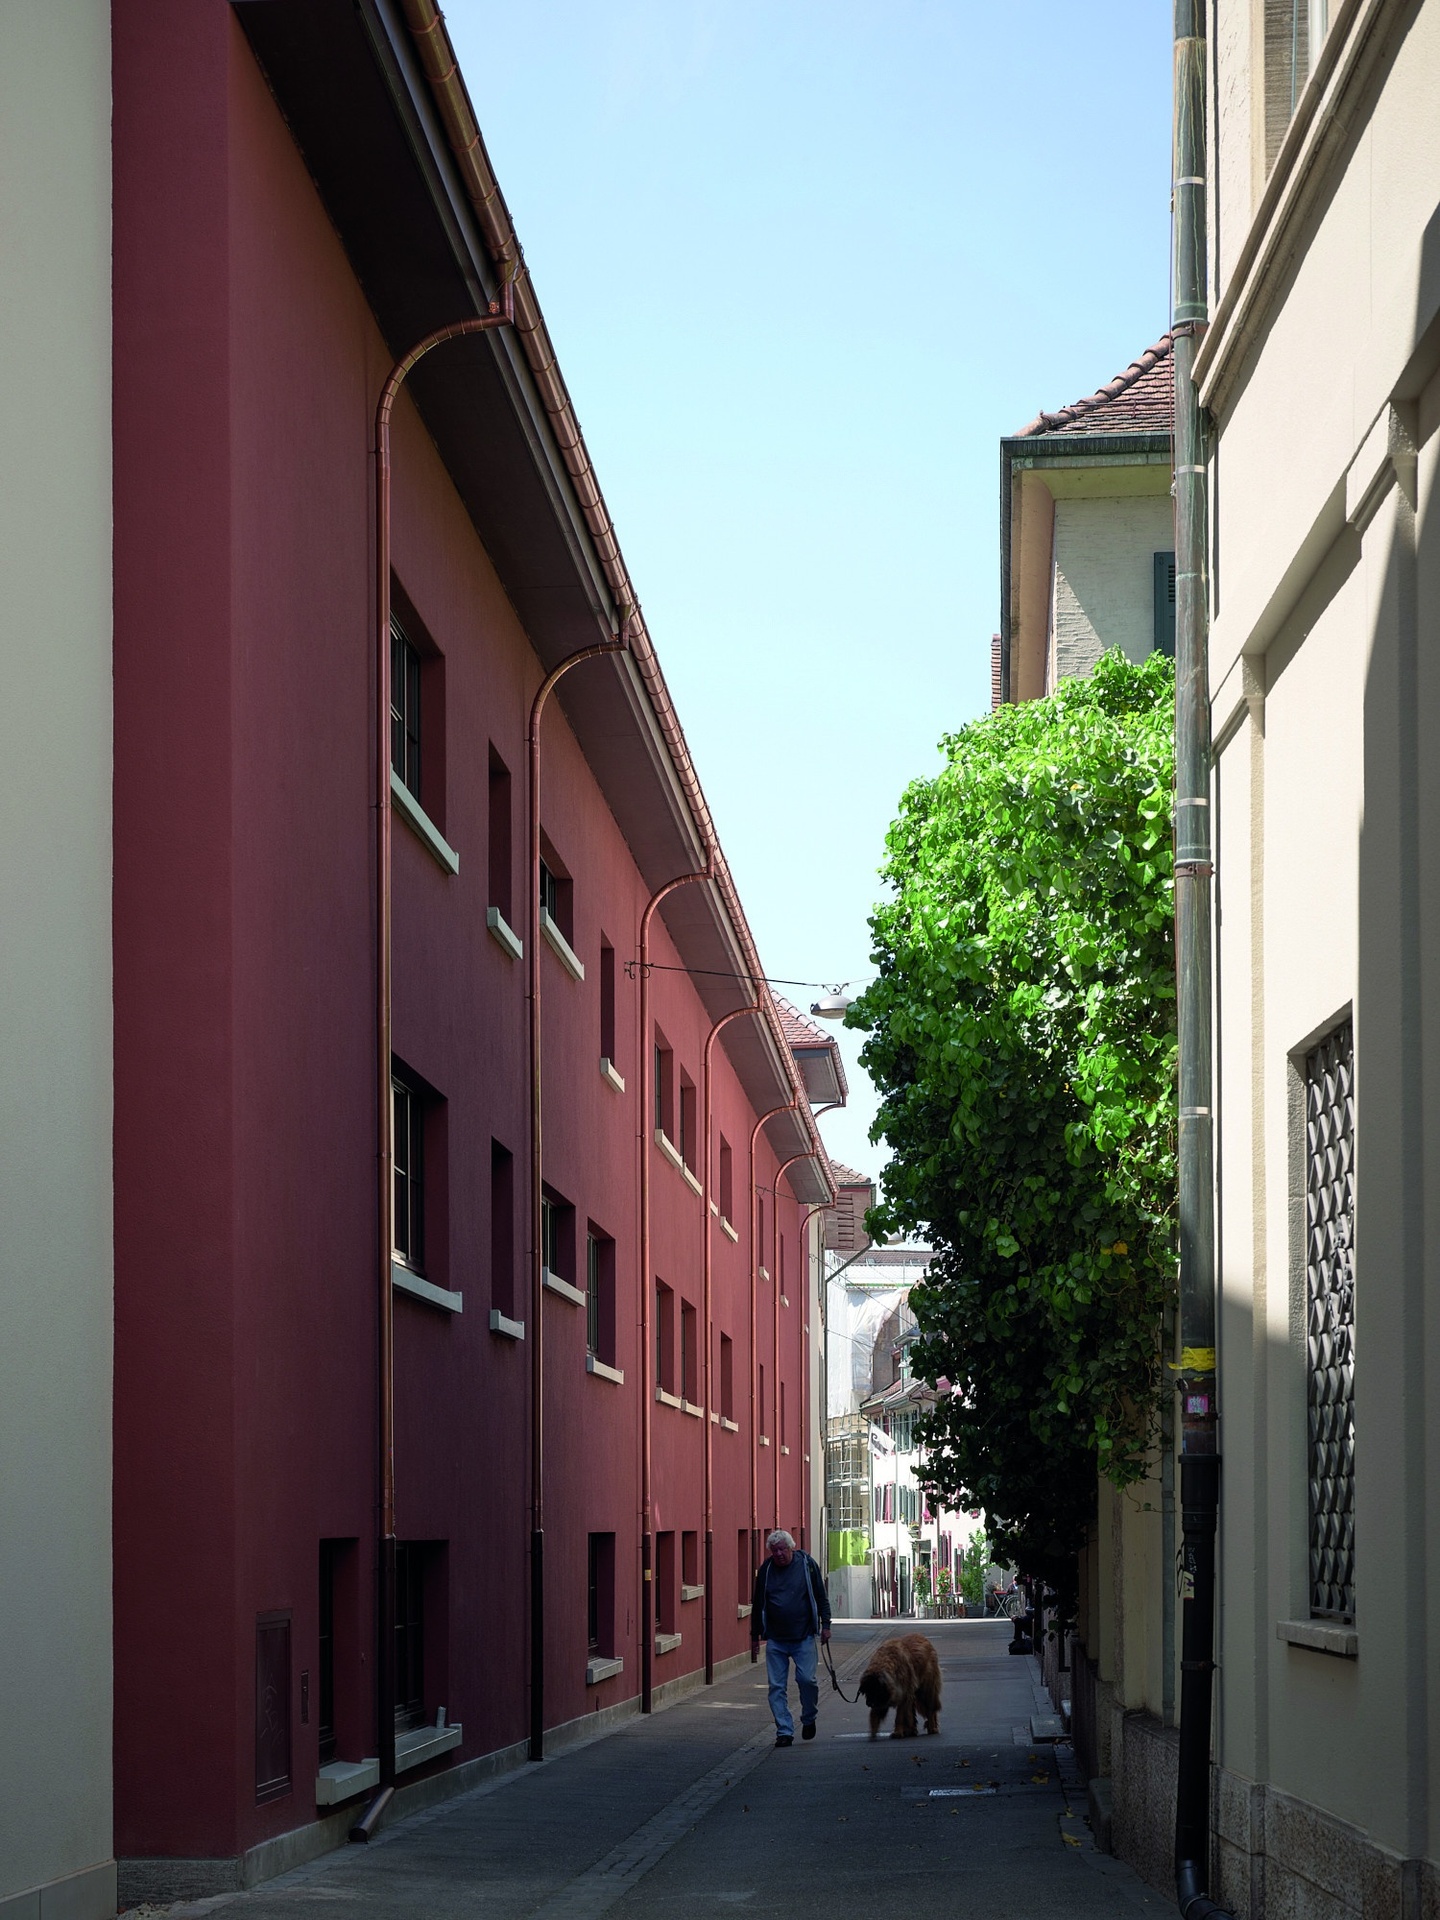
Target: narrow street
[696,1810]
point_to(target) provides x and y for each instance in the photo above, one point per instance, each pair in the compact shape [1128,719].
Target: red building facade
[296,204]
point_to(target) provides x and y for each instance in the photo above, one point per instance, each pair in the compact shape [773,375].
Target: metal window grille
[404,709]
[1330,1319]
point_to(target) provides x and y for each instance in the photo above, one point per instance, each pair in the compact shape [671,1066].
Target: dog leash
[835,1678]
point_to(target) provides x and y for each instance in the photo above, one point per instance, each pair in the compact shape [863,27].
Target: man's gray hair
[779,1538]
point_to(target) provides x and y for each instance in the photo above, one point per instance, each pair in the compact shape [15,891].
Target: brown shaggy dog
[903,1674]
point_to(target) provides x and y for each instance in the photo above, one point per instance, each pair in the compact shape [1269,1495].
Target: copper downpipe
[647,1391]
[706,1268]
[537,1276]
[501,314]
[789,1107]
[775,1280]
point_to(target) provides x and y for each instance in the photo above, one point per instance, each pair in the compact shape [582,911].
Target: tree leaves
[1022,1037]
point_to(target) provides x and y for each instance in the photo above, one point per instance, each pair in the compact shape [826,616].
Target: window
[607,1001]
[687,1140]
[404,709]
[760,1228]
[689,1355]
[557,1236]
[1330,1320]
[744,1568]
[664,1065]
[408,1225]
[784,1436]
[409,1636]
[780,1261]
[726,1195]
[690,1559]
[665,1582]
[761,1405]
[1295,30]
[600,1597]
[664,1337]
[727,1377]
[272,1706]
[600,1295]
[502,1228]
[557,895]
[500,845]
[1164,566]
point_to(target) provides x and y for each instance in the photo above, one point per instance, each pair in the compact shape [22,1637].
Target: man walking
[788,1608]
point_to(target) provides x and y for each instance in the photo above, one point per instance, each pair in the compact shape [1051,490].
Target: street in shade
[693,1809]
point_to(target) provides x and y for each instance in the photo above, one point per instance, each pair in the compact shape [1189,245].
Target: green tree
[1022,1039]
[973,1562]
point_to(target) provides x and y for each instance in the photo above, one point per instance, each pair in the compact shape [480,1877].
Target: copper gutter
[647,1390]
[537,1276]
[437,57]
[775,1279]
[501,314]
[707,1269]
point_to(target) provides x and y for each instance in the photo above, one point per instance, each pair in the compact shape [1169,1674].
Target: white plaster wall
[1328,807]
[1105,580]
[1312,380]
[55,975]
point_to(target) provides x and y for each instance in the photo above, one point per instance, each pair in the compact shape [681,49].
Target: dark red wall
[246,367]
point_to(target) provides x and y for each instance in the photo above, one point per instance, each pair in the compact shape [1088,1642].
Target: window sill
[743,1612]
[784,1299]
[508,942]
[608,1074]
[425,1743]
[602,1372]
[667,1642]
[764,1441]
[554,1284]
[1320,1636]
[714,1209]
[668,1399]
[785,1449]
[501,1323]
[677,1160]
[689,1406]
[763,1273]
[692,1593]
[730,1426]
[561,947]
[725,1227]
[345,1779]
[422,826]
[419,1288]
[598,1670]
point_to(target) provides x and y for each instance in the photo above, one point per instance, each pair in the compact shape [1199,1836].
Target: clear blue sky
[804,265]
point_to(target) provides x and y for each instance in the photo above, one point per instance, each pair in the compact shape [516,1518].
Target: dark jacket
[815,1586]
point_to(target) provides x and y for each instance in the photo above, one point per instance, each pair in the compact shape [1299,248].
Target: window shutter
[1165,604]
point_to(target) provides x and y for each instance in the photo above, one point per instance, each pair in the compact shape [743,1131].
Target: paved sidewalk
[695,1808]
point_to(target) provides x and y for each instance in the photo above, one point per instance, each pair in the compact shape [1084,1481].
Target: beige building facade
[55,980]
[1319,371]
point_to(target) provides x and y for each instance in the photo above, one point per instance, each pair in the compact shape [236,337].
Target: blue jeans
[778,1655]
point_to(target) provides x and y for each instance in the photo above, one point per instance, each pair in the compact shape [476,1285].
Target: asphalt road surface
[695,1810]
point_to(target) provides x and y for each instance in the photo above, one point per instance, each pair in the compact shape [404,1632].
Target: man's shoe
[784,1739]
[807,1732]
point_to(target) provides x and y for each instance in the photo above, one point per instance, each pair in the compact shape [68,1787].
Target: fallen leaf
[1039,1779]
[1070,1839]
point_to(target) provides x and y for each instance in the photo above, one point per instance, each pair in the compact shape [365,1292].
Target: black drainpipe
[1199,1422]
